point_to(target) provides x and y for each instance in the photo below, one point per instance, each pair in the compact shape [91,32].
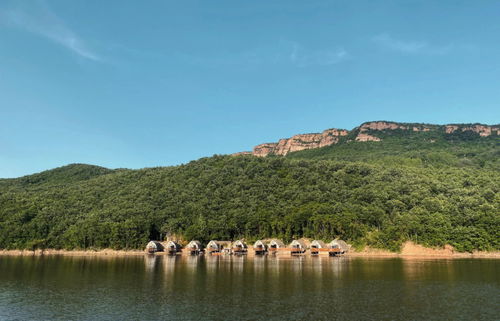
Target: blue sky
[153,83]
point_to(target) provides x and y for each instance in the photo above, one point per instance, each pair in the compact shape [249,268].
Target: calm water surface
[240,288]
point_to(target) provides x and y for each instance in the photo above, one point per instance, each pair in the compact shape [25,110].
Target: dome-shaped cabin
[173,247]
[214,247]
[154,246]
[275,244]
[260,247]
[194,247]
[298,246]
[239,247]
[339,245]
[317,246]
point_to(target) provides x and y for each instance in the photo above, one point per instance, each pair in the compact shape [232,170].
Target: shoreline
[408,251]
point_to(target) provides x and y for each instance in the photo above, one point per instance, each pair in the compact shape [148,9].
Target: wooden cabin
[317,246]
[298,246]
[154,246]
[194,247]
[173,247]
[340,246]
[219,247]
[260,247]
[239,247]
[275,245]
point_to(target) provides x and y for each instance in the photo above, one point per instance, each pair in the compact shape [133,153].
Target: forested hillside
[431,188]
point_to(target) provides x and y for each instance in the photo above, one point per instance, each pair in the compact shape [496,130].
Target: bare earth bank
[410,249]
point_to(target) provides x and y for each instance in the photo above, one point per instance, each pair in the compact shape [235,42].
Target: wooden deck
[313,250]
[286,249]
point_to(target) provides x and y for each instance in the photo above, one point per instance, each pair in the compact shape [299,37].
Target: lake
[241,288]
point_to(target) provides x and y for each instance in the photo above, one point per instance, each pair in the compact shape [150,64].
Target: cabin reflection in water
[259,264]
[192,264]
[238,263]
[212,264]
[168,264]
[298,265]
[150,263]
[192,260]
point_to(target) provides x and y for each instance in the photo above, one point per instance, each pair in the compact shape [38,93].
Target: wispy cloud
[410,47]
[303,57]
[280,53]
[39,19]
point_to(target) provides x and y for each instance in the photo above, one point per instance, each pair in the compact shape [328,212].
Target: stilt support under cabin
[330,252]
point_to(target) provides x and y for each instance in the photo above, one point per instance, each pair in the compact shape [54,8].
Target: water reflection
[150,263]
[273,266]
[241,288]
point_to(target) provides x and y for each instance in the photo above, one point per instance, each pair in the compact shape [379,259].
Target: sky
[134,84]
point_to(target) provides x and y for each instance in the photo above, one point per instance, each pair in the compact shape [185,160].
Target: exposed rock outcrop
[300,142]
[482,130]
[381,125]
[366,132]
[450,128]
[242,153]
[264,149]
[367,138]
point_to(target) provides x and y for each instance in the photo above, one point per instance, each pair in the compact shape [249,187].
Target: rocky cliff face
[363,133]
[482,130]
[362,136]
[300,142]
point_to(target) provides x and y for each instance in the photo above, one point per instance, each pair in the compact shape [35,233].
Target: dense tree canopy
[377,193]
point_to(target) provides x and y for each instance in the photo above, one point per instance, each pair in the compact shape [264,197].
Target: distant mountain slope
[433,187]
[61,175]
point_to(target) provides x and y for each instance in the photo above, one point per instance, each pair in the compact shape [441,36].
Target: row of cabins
[260,247]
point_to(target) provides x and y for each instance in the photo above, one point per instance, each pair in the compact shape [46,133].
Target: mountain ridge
[429,187]
[362,133]
[60,175]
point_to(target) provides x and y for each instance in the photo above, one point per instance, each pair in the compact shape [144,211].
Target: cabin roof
[278,242]
[319,243]
[219,243]
[260,242]
[300,242]
[341,244]
[155,244]
[195,243]
[239,242]
[173,244]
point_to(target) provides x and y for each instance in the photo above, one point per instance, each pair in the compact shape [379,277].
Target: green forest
[431,188]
